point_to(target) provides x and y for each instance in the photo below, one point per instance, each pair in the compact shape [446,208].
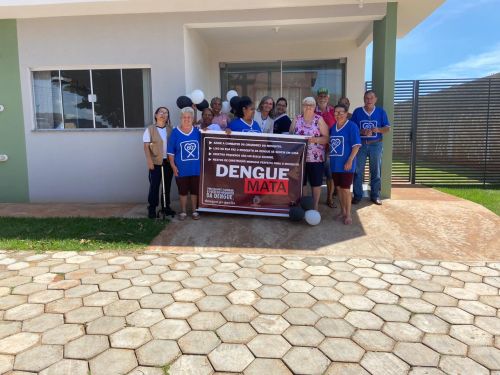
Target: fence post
[414,126]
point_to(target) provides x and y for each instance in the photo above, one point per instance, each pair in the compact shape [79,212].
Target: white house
[80,79]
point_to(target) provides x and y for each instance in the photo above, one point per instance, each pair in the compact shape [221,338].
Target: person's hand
[228,131]
[151,166]
[311,140]
[348,165]
[176,171]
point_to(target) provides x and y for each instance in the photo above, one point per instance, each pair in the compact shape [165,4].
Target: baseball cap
[322,90]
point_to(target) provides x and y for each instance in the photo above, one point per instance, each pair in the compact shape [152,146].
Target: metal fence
[447,132]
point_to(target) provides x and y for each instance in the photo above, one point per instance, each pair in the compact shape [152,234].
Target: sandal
[330,203]
[195,216]
[182,216]
[347,221]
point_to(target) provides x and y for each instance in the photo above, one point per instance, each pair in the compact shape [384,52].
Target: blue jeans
[374,152]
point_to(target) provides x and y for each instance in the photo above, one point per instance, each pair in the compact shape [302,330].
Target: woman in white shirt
[264,114]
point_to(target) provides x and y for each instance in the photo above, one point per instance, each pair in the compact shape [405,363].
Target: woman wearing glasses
[155,148]
[312,126]
[344,145]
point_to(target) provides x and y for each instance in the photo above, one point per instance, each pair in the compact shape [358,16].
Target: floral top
[315,152]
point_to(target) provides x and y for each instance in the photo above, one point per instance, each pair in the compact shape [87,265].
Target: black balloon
[307,203]
[234,102]
[203,105]
[183,102]
[296,213]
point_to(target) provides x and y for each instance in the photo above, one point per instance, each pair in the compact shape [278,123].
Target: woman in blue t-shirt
[344,145]
[184,156]
[244,122]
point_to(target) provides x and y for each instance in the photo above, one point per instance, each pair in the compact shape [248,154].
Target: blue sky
[461,39]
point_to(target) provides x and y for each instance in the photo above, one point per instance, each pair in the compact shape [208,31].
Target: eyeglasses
[308,105]
[339,113]
[163,113]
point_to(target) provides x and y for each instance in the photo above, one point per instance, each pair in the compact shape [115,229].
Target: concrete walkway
[165,313]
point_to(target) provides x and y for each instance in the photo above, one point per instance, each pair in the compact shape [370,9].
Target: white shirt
[267,125]
[146,138]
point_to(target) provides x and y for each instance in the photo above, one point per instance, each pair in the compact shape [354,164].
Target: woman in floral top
[313,127]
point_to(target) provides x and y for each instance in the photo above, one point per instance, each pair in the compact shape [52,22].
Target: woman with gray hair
[312,126]
[264,114]
[184,156]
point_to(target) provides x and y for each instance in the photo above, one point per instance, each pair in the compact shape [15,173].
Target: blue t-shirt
[238,125]
[376,119]
[341,143]
[186,151]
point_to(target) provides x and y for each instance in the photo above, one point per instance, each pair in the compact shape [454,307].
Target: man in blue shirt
[373,124]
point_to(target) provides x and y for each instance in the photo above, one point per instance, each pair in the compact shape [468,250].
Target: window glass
[47,92]
[108,105]
[136,97]
[77,109]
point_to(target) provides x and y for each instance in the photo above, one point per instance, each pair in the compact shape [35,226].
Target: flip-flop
[195,216]
[182,216]
[330,203]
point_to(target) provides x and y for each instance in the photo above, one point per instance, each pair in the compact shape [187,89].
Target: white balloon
[197,96]
[226,107]
[313,217]
[230,94]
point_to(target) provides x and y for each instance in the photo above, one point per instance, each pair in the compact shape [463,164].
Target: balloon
[230,94]
[307,203]
[226,107]
[313,217]
[296,213]
[197,96]
[202,105]
[234,102]
[184,101]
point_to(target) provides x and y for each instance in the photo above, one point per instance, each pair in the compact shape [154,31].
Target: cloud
[474,66]
[455,8]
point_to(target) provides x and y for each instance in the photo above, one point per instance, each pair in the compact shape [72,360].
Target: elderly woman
[244,122]
[184,156]
[207,120]
[221,119]
[155,148]
[344,145]
[264,114]
[312,126]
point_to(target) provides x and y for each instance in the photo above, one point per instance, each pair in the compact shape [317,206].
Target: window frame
[89,68]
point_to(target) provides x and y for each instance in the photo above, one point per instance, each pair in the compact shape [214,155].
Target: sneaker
[169,211]
[377,201]
[152,213]
[182,216]
[195,216]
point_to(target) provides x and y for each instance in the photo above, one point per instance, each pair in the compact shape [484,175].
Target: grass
[489,198]
[77,233]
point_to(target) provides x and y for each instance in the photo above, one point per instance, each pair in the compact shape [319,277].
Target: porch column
[13,171]
[383,77]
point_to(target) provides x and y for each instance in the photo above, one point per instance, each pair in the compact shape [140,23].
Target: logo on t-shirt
[190,150]
[249,131]
[368,125]
[337,145]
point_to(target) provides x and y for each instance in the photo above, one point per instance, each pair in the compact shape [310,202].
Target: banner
[257,174]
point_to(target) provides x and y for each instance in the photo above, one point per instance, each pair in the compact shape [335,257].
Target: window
[293,80]
[88,99]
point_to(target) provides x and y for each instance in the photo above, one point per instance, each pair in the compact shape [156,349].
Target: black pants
[154,184]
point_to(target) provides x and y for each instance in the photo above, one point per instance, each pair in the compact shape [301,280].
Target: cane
[164,200]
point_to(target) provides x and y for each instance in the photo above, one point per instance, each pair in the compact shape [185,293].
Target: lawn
[77,233]
[489,198]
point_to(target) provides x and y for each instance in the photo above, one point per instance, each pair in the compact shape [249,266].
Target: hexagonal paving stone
[230,357]
[269,346]
[272,278]
[43,322]
[206,321]
[191,364]
[218,289]
[460,365]
[157,353]
[239,314]
[471,335]
[195,282]
[38,358]
[18,342]
[271,291]
[242,297]
[145,280]
[303,336]
[83,314]
[378,363]
[130,338]
[299,275]
[439,299]
[382,296]
[301,316]
[341,350]
[188,295]
[299,300]
[335,327]
[330,309]
[262,365]
[321,281]
[487,356]
[198,342]
[23,312]
[373,341]
[106,325]
[170,329]
[270,324]
[80,291]
[403,332]
[201,271]
[100,299]
[62,334]
[325,293]
[350,288]
[306,361]
[477,308]
[345,369]
[134,292]
[180,310]
[454,315]
[9,328]
[156,301]
[114,285]
[236,333]
[417,306]
[113,361]
[270,306]
[145,317]
[429,323]
[444,344]
[45,296]
[392,313]
[489,324]
[364,320]
[416,354]
[213,303]
[86,347]
[10,301]
[222,277]
[297,286]
[245,283]
[67,366]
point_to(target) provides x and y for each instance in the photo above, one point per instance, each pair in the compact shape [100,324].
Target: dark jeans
[154,184]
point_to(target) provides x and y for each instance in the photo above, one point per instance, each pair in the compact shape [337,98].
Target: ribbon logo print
[335,143]
[190,148]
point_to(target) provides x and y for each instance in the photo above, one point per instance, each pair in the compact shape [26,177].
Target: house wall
[108,165]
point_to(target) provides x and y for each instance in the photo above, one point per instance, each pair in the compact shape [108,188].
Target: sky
[461,39]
